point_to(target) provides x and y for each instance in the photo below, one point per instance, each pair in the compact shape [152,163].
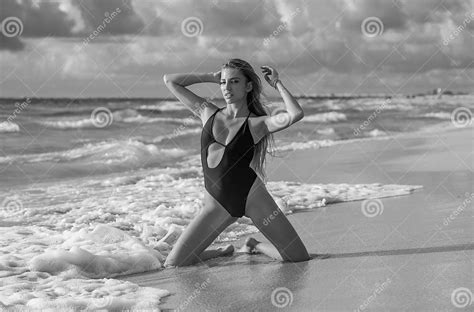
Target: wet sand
[411,256]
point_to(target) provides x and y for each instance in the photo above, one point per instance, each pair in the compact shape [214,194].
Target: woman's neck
[236,110]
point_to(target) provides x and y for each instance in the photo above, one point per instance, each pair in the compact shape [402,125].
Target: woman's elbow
[298,117]
[166,79]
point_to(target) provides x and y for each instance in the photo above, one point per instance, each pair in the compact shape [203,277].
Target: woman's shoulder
[208,110]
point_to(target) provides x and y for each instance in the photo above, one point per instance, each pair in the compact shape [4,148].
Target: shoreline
[365,250]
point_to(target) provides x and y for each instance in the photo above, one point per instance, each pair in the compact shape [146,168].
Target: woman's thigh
[200,233]
[273,224]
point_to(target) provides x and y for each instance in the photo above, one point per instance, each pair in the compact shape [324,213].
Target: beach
[96,192]
[359,115]
[412,256]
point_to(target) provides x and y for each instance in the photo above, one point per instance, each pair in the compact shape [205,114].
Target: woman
[233,146]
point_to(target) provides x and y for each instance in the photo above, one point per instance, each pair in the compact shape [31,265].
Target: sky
[122,48]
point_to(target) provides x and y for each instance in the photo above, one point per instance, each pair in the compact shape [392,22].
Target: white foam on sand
[42,269]
[438,115]
[114,152]
[293,196]
[8,126]
[325,117]
[177,133]
[306,145]
[82,234]
[326,131]
[170,106]
[374,134]
[124,115]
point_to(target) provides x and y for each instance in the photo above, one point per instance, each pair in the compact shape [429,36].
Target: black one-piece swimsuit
[230,182]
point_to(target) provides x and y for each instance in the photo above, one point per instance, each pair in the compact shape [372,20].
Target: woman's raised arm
[292,112]
[177,84]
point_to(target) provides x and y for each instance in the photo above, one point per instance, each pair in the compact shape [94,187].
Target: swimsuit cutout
[230,181]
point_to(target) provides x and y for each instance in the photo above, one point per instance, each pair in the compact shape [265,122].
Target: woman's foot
[226,250]
[249,245]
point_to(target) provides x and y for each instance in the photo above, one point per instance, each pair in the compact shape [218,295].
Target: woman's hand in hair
[270,75]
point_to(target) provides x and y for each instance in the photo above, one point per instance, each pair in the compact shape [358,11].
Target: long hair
[256,106]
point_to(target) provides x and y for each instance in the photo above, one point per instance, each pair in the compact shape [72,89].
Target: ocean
[91,189]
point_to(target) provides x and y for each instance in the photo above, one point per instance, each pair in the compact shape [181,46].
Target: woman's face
[234,85]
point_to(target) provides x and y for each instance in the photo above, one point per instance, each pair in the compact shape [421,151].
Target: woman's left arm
[292,106]
[292,112]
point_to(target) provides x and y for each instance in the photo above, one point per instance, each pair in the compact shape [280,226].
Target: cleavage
[216,150]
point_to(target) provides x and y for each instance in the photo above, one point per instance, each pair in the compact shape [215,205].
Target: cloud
[303,39]
[391,14]
[94,12]
[69,18]
[40,19]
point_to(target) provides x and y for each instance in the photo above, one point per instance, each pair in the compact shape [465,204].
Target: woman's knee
[293,249]
[299,255]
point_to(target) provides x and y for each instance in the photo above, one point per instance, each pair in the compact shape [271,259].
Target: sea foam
[8,126]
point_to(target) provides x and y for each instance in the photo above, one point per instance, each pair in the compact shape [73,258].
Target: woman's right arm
[177,84]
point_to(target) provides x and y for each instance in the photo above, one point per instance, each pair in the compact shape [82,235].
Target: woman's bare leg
[270,220]
[199,234]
